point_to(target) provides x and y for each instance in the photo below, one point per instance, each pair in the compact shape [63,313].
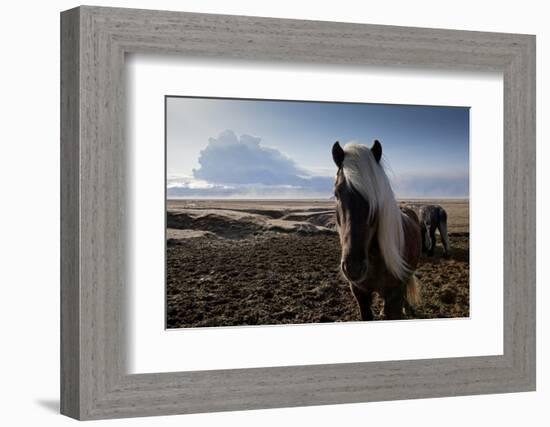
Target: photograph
[292,212]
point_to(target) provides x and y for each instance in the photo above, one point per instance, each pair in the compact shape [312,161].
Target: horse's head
[354,216]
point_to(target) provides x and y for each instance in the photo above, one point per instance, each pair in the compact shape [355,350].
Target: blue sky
[282,149]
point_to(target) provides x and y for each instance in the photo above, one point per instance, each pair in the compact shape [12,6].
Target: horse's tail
[412,291]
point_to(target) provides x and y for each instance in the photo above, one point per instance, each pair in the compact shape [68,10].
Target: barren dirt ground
[276,262]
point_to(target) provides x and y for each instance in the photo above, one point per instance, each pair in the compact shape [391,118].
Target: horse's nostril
[344,267]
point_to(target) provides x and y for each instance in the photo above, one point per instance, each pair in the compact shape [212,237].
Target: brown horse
[381,243]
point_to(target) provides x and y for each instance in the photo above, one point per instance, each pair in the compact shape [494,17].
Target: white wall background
[29,212]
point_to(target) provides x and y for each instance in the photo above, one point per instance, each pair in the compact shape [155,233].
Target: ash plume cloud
[232,166]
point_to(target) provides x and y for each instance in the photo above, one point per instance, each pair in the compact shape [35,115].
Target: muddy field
[276,262]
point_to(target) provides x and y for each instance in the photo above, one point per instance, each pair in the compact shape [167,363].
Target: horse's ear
[338,154]
[377,150]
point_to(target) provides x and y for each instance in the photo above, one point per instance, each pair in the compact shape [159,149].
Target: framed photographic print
[253,236]
[262,213]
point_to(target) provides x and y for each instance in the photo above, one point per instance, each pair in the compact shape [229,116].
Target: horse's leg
[364,301]
[409,309]
[393,303]
[444,236]
[432,237]
[423,238]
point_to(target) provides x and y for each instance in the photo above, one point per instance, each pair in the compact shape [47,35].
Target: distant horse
[380,242]
[433,217]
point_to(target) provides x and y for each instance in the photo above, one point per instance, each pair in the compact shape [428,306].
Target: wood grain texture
[70,180]
[94,271]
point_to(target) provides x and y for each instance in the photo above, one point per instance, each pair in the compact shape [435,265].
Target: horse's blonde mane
[368,178]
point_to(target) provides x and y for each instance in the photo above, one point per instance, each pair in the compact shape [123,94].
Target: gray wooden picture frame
[94,41]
